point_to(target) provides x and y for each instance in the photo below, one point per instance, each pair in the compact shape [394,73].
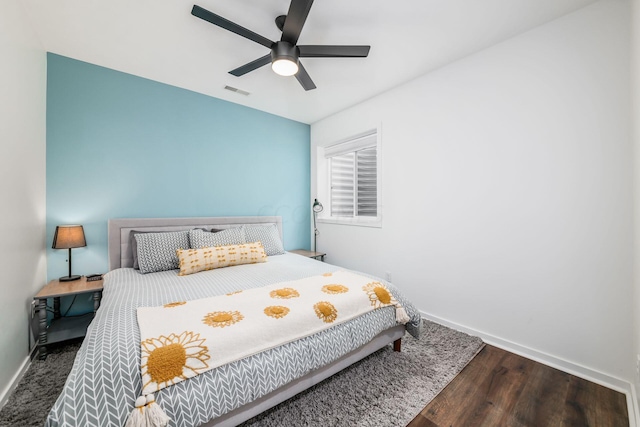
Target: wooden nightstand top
[56,288]
[310,254]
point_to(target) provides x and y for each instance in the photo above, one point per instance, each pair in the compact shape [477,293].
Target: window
[351,180]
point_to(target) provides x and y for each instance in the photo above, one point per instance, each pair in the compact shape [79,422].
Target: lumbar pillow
[195,260]
[268,235]
[157,251]
[203,239]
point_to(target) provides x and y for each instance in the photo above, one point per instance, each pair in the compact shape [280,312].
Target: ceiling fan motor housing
[284,50]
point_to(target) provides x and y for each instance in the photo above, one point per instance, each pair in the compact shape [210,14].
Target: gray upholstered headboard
[119,229]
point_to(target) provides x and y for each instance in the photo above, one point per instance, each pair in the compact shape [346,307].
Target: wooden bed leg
[396,344]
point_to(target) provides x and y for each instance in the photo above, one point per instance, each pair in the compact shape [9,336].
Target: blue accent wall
[121,146]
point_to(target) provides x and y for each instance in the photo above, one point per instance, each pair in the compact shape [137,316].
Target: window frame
[323,183]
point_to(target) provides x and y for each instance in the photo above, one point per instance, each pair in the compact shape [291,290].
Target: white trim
[6,393]
[360,221]
[358,142]
[569,367]
[632,403]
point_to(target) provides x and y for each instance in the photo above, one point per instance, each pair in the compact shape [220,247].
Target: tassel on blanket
[147,413]
[401,315]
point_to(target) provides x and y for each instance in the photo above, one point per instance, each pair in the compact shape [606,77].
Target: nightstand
[64,328]
[310,254]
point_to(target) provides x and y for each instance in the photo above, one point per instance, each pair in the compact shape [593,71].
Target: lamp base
[69,278]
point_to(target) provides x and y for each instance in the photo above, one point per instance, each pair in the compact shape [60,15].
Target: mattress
[105,378]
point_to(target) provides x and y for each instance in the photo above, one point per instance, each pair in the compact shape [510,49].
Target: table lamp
[69,237]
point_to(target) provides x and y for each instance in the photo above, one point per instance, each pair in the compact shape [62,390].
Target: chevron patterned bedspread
[105,379]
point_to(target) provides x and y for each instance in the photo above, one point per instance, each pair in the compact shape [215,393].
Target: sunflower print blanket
[182,339]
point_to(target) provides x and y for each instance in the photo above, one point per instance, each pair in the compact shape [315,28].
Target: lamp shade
[317,206]
[69,236]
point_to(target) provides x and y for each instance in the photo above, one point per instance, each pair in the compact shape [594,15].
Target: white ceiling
[162,41]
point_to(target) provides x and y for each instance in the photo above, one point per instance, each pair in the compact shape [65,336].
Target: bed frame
[120,256]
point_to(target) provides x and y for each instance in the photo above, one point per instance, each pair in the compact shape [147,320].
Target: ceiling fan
[285,54]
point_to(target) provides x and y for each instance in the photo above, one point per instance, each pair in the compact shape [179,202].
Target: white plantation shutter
[354,177]
[367,174]
[342,184]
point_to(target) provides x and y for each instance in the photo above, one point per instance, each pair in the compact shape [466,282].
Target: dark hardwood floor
[499,388]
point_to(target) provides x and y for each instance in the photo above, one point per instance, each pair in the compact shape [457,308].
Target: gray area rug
[385,389]
[39,388]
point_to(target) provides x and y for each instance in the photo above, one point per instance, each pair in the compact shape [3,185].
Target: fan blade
[253,65]
[328,51]
[221,22]
[298,12]
[304,79]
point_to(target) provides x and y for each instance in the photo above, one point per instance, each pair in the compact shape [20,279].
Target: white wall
[22,183]
[635,128]
[507,190]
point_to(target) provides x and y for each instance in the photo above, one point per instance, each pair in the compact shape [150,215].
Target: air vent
[236,90]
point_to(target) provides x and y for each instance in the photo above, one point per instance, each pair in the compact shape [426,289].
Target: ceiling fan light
[284,67]
[284,58]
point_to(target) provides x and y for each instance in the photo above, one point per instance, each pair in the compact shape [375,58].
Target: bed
[105,379]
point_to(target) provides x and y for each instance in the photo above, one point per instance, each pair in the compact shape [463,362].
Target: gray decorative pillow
[133,243]
[157,251]
[268,235]
[204,239]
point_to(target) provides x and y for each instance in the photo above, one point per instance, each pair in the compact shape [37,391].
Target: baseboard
[572,368]
[632,405]
[6,393]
